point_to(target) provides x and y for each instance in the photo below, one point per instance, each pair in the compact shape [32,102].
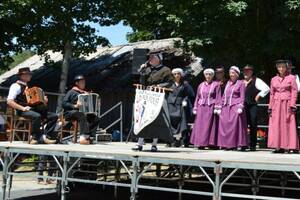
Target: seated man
[88,124]
[16,99]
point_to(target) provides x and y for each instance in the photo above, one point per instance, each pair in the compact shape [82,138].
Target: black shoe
[293,151]
[137,148]
[278,151]
[201,148]
[252,148]
[153,148]
[177,143]
[242,149]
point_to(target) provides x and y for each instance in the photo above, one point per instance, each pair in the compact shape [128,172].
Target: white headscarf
[178,70]
[209,71]
[235,69]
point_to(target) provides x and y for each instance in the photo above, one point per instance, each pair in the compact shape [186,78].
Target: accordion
[35,96]
[90,103]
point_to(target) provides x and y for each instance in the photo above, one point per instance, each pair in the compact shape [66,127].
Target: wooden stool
[18,124]
[73,131]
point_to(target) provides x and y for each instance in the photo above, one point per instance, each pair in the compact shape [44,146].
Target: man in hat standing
[255,90]
[17,99]
[153,73]
[220,76]
[88,124]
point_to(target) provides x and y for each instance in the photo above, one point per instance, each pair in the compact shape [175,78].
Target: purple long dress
[206,123]
[233,125]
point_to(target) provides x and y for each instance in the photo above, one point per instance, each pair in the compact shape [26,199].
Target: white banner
[147,106]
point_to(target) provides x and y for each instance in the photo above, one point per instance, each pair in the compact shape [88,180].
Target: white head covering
[209,71]
[235,69]
[178,70]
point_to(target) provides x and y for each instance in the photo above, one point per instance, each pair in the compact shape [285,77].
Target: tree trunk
[64,73]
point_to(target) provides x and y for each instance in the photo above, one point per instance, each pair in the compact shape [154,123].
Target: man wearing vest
[255,90]
[16,99]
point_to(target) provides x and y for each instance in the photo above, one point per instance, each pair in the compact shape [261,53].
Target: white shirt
[298,82]
[15,90]
[262,87]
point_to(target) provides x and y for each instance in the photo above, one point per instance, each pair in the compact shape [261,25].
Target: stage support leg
[181,181]
[117,178]
[5,170]
[217,191]
[64,189]
[134,180]
[254,184]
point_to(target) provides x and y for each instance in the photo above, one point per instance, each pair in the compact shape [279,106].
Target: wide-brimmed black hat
[24,70]
[78,78]
[287,62]
[248,67]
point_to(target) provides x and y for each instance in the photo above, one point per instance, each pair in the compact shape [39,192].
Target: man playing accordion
[88,123]
[17,99]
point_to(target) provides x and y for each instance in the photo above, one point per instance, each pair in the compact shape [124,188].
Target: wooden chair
[17,125]
[73,131]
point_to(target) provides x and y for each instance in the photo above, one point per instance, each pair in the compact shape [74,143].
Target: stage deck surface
[261,159]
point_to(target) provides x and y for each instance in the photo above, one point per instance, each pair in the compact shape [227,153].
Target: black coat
[179,115]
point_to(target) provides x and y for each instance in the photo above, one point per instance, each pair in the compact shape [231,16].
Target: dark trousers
[88,124]
[36,117]
[42,165]
[251,111]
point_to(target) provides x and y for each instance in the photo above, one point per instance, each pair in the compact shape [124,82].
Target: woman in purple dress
[204,132]
[232,131]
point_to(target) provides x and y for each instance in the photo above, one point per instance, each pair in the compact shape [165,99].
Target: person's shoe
[242,149]
[201,148]
[48,141]
[278,151]
[33,141]
[84,141]
[138,148]
[177,143]
[252,148]
[40,182]
[291,151]
[50,181]
[153,148]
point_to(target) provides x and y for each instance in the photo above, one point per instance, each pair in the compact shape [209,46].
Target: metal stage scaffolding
[216,166]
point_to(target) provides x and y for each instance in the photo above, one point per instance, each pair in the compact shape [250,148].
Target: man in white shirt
[255,90]
[17,99]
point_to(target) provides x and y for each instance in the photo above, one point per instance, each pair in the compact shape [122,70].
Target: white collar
[22,82]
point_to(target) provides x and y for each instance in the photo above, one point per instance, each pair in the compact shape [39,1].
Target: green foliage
[221,31]
[45,25]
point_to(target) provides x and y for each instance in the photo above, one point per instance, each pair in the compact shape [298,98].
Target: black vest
[21,98]
[251,92]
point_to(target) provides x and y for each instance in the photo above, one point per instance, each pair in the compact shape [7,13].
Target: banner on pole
[147,107]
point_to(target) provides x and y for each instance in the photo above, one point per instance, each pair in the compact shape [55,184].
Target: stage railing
[119,120]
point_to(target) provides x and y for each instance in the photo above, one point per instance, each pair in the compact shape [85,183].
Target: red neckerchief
[79,90]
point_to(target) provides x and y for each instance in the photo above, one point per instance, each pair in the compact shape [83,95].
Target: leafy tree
[221,31]
[61,26]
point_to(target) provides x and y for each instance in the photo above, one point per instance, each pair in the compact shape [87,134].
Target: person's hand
[143,66]
[239,110]
[270,112]
[257,98]
[26,108]
[46,99]
[184,103]
[194,112]
[78,104]
[217,111]
[293,110]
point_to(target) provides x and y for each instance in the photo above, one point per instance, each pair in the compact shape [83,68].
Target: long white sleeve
[298,82]
[262,87]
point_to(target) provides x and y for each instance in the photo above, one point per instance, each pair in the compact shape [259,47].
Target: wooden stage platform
[68,156]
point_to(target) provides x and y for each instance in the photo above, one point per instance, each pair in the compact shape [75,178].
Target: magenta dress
[282,123]
[232,131]
[205,126]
